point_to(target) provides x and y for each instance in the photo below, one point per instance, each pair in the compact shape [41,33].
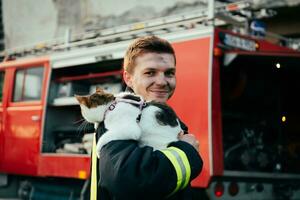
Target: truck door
[2,73]
[23,118]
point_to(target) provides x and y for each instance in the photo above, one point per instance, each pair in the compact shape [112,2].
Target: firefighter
[127,171]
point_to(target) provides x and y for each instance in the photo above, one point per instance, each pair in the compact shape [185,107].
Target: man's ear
[127,78]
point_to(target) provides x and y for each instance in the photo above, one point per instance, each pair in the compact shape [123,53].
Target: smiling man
[153,76]
[126,170]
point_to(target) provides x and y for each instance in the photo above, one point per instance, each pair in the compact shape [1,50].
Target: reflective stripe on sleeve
[94,171]
[182,167]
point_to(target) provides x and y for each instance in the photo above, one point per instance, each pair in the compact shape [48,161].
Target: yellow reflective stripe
[186,165]
[182,167]
[94,171]
[174,162]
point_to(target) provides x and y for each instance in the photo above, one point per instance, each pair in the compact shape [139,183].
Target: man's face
[153,76]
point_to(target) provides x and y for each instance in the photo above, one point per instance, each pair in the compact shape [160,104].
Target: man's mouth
[162,92]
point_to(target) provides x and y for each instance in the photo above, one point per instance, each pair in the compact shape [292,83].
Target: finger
[180,134]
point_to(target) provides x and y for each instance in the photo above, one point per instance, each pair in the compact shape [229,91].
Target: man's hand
[189,138]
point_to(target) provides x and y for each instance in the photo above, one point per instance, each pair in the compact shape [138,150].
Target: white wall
[32,21]
[29,22]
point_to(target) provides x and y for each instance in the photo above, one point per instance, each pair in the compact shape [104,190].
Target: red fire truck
[236,93]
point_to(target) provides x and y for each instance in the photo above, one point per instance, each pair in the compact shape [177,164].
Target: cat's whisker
[78,121]
[84,128]
[78,131]
[81,127]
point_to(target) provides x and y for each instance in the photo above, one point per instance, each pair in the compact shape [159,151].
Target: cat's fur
[157,127]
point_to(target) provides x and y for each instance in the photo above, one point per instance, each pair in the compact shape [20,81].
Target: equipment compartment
[261,114]
[65,129]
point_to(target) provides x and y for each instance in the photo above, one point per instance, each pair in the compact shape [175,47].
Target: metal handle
[35,118]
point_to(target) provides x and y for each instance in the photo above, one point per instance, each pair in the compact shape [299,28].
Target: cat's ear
[81,99]
[99,89]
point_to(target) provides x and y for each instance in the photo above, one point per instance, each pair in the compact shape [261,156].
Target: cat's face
[93,106]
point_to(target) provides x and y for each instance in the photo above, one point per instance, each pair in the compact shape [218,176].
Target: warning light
[219,189]
[233,189]
[82,174]
[283,119]
[217,51]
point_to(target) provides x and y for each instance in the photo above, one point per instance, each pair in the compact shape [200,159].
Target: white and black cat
[126,116]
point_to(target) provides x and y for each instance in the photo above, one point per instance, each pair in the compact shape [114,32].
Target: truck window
[28,84]
[1,84]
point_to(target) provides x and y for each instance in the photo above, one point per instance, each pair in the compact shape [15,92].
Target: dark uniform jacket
[127,171]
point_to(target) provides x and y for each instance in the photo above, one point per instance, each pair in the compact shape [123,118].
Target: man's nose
[161,79]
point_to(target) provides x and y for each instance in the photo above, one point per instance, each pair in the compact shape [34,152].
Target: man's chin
[159,98]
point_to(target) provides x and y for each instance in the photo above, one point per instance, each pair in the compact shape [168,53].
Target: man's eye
[170,74]
[150,73]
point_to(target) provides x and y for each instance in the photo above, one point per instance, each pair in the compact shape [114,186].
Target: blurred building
[1,28]
[28,22]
